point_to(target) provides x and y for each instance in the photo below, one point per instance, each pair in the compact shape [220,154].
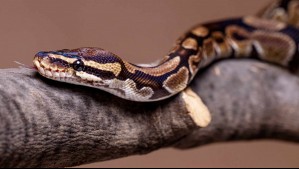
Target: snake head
[53,64]
[83,65]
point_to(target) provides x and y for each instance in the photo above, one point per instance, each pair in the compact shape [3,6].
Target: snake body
[272,40]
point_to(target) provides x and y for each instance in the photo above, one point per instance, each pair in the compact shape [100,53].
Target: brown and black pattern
[248,37]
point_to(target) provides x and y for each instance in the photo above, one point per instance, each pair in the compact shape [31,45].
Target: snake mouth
[52,70]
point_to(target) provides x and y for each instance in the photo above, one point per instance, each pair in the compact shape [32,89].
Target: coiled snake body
[269,37]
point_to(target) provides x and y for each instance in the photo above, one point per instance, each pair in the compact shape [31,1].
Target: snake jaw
[47,68]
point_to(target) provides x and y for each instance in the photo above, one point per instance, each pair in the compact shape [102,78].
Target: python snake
[272,37]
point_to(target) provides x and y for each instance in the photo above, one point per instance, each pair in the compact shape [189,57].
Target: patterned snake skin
[272,36]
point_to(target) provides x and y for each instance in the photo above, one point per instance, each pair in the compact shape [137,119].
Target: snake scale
[271,36]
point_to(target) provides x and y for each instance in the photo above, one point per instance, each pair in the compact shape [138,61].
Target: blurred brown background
[139,31]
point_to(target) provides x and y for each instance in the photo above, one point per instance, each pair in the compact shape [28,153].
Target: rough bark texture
[49,124]
[248,100]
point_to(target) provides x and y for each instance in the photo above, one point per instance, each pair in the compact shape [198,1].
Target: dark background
[139,31]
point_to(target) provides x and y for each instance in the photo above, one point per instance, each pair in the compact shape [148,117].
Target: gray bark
[44,123]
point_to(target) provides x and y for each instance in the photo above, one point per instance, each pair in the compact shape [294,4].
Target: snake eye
[78,65]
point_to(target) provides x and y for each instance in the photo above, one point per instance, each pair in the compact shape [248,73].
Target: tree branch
[49,124]
[248,100]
